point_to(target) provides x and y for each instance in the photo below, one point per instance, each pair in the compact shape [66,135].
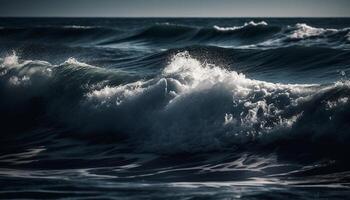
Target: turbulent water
[174,108]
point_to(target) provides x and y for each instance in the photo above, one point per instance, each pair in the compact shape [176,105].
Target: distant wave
[304,31]
[249,35]
[251,23]
[303,34]
[189,107]
[165,33]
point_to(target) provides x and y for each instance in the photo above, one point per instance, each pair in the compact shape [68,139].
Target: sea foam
[247,24]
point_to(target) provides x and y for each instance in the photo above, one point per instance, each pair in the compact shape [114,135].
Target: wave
[304,31]
[166,32]
[189,106]
[249,35]
[249,24]
[258,34]
[305,35]
[294,64]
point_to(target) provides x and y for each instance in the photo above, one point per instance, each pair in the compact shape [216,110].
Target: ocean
[175,108]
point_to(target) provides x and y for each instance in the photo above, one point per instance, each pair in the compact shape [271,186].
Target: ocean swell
[164,33]
[251,35]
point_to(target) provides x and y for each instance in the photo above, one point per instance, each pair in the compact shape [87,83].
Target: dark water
[174,108]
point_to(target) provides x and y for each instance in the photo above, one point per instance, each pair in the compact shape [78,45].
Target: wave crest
[202,107]
[247,24]
[190,106]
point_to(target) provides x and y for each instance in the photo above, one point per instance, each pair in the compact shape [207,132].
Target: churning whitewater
[188,107]
[175,108]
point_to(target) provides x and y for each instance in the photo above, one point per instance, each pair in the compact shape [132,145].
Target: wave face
[185,108]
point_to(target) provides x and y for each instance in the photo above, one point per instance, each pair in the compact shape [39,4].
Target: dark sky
[176,8]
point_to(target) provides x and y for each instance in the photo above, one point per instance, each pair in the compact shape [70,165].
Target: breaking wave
[190,106]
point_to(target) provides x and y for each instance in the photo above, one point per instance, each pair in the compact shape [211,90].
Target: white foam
[303,31]
[75,62]
[11,60]
[251,23]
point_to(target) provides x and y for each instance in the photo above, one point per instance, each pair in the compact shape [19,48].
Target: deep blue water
[174,108]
